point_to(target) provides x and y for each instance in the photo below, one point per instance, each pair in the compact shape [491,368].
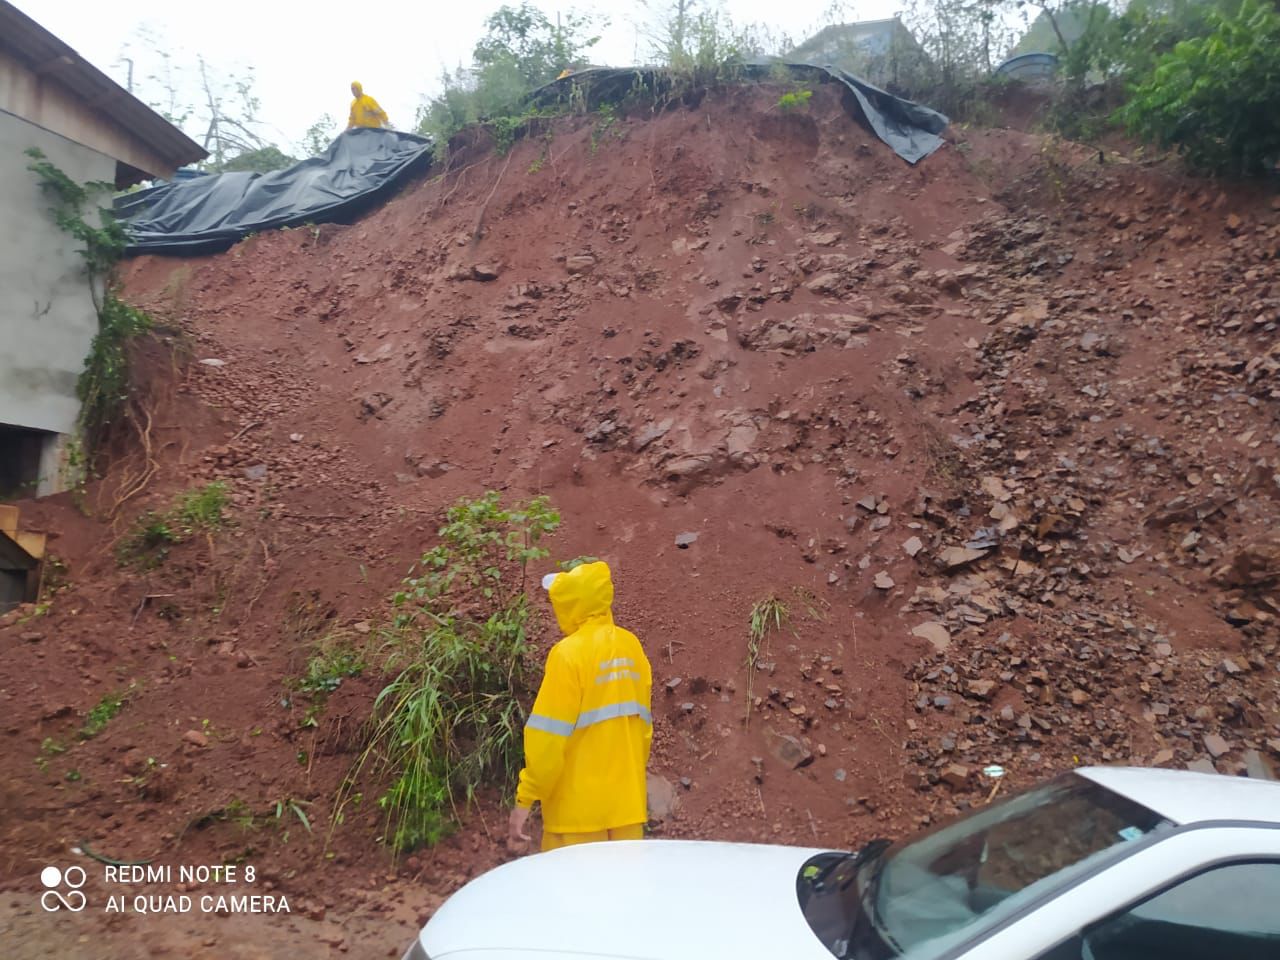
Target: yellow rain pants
[554,841]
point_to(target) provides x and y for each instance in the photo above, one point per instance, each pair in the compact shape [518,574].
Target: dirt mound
[1000,430]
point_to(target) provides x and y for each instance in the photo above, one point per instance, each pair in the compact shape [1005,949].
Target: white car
[1106,863]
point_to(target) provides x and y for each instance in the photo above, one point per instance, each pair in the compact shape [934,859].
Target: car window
[948,883]
[1231,911]
[917,897]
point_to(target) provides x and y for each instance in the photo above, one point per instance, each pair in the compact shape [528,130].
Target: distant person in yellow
[586,743]
[365,111]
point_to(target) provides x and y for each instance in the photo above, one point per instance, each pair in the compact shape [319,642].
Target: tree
[963,39]
[523,39]
[232,117]
[699,41]
[217,108]
[262,160]
[520,51]
[1213,98]
[319,135]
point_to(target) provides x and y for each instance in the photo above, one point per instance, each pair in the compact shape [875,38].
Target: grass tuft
[150,537]
[767,615]
[451,719]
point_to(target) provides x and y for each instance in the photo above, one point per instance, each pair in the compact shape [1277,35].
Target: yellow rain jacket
[365,111]
[586,744]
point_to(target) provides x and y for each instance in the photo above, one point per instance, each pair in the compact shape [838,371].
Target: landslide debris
[1008,454]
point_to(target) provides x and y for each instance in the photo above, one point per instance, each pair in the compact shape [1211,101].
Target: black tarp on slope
[910,129]
[362,167]
[205,214]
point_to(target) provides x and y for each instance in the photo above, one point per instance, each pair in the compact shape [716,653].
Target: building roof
[51,59]
[875,37]
[1185,797]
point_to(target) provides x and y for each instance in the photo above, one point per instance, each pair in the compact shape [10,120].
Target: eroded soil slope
[1001,430]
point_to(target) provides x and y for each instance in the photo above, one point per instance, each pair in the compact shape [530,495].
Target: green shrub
[104,384]
[704,48]
[451,718]
[200,509]
[794,100]
[520,51]
[149,538]
[1214,98]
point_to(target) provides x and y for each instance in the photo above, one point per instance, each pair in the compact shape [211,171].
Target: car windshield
[916,898]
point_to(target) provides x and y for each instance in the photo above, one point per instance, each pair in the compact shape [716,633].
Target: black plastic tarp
[910,129]
[205,214]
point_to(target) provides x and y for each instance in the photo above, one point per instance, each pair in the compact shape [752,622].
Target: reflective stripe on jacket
[586,743]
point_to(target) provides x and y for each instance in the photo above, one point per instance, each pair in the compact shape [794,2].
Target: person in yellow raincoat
[586,743]
[365,111]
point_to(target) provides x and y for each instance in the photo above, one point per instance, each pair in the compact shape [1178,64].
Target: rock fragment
[789,750]
[1216,746]
[936,633]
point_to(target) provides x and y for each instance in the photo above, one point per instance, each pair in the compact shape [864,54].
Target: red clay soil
[756,326]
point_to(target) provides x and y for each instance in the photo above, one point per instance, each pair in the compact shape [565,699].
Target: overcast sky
[304,56]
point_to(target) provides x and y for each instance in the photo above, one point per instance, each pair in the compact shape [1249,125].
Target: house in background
[1042,35]
[883,52]
[93,130]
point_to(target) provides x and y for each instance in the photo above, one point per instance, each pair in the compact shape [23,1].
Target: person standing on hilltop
[365,111]
[586,743]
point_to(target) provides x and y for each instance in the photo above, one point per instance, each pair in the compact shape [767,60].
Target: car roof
[1186,797]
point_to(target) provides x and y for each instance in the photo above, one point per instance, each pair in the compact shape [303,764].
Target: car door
[1228,910]
[1155,866]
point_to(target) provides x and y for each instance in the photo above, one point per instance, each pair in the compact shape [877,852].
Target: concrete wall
[47,318]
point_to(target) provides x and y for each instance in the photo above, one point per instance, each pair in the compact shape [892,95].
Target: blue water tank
[1029,67]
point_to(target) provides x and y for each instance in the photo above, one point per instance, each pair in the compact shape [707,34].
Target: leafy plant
[336,658]
[794,100]
[1213,98]
[451,718]
[148,542]
[264,159]
[103,713]
[506,129]
[153,533]
[201,509]
[606,123]
[49,748]
[541,159]
[334,661]
[320,135]
[702,48]
[104,384]
[520,51]
[286,806]
[240,813]
[104,244]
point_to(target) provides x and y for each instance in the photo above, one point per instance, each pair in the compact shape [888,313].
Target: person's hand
[517,840]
